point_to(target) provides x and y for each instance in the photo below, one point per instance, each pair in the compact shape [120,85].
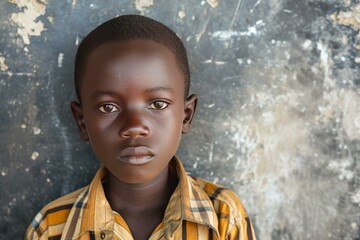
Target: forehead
[140,55]
[122,49]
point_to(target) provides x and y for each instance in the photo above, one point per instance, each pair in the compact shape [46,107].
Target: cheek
[99,128]
[171,127]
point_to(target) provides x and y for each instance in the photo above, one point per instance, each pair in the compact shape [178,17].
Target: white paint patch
[60,59]
[213,3]
[181,14]
[355,198]
[3,66]
[34,155]
[211,152]
[27,19]
[326,64]
[141,5]
[343,168]
[228,34]
[4,172]
[307,44]
[216,62]
[51,19]
[36,130]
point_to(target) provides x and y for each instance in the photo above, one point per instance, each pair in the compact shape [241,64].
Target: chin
[132,177]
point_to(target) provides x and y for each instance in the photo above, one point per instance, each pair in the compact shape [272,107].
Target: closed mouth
[135,155]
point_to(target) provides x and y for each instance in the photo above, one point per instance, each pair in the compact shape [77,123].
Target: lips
[135,155]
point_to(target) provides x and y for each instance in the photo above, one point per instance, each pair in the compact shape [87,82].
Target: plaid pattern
[197,210]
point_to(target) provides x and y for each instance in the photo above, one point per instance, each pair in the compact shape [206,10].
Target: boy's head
[131,78]
[131,27]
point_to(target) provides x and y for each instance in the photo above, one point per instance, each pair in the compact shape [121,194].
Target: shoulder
[51,219]
[233,219]
[220,194]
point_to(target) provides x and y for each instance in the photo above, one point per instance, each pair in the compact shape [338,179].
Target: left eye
[158,105]
[108,108]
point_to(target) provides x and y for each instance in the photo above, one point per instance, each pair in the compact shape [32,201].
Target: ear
[189,110]
[78,115]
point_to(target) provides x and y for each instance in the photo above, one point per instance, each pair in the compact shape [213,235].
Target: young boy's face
[132,108]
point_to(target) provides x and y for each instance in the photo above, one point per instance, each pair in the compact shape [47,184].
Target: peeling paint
[4,172]
[142,5]
[213,3]
[34,155]
[60,59]
[36,130]
[3,66]
[181,14]
[27,20]
[348,18]
[228,34]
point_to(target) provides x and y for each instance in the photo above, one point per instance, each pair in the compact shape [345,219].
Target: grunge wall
[278,120]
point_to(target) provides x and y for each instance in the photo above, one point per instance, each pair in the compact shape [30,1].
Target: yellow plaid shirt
[197,210]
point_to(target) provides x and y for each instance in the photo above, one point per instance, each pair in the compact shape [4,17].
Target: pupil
[158,104]
[108,108]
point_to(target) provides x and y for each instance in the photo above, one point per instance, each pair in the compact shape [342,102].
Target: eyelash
[159,101]
[113,106]
[101,108]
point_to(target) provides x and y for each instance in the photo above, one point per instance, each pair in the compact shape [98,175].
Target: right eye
[108,108]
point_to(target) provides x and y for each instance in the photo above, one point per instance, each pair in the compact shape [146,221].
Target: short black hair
[131,27]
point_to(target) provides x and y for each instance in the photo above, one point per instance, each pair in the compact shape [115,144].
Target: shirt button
[102,235]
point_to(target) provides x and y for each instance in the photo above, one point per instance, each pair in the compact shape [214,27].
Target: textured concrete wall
[279,114]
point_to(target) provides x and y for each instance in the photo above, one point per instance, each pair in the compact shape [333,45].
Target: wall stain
[142,5]
[3,65]
[213,3]
[27,19]
[348,18]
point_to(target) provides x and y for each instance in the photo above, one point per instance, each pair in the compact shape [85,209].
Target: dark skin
[133,112]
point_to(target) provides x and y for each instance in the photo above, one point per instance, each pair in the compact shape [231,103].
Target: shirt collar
[195,204]
[188,202]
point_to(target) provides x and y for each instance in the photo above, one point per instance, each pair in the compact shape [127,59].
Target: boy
[132,81]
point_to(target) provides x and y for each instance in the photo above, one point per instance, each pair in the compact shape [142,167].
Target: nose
[134,126]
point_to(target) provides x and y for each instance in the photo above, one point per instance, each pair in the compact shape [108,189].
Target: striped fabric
[197,210]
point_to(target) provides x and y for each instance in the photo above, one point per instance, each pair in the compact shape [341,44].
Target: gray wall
[279,114]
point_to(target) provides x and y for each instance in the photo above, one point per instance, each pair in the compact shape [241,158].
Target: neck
[140,197]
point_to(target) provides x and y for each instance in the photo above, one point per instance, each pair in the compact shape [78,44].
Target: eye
[108,108]
[158,105]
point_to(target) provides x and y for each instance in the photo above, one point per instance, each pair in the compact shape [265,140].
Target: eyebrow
[102,93]
[156,89]
[114,94]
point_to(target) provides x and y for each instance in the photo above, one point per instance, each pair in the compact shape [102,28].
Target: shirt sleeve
[30,234]
[242,230]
